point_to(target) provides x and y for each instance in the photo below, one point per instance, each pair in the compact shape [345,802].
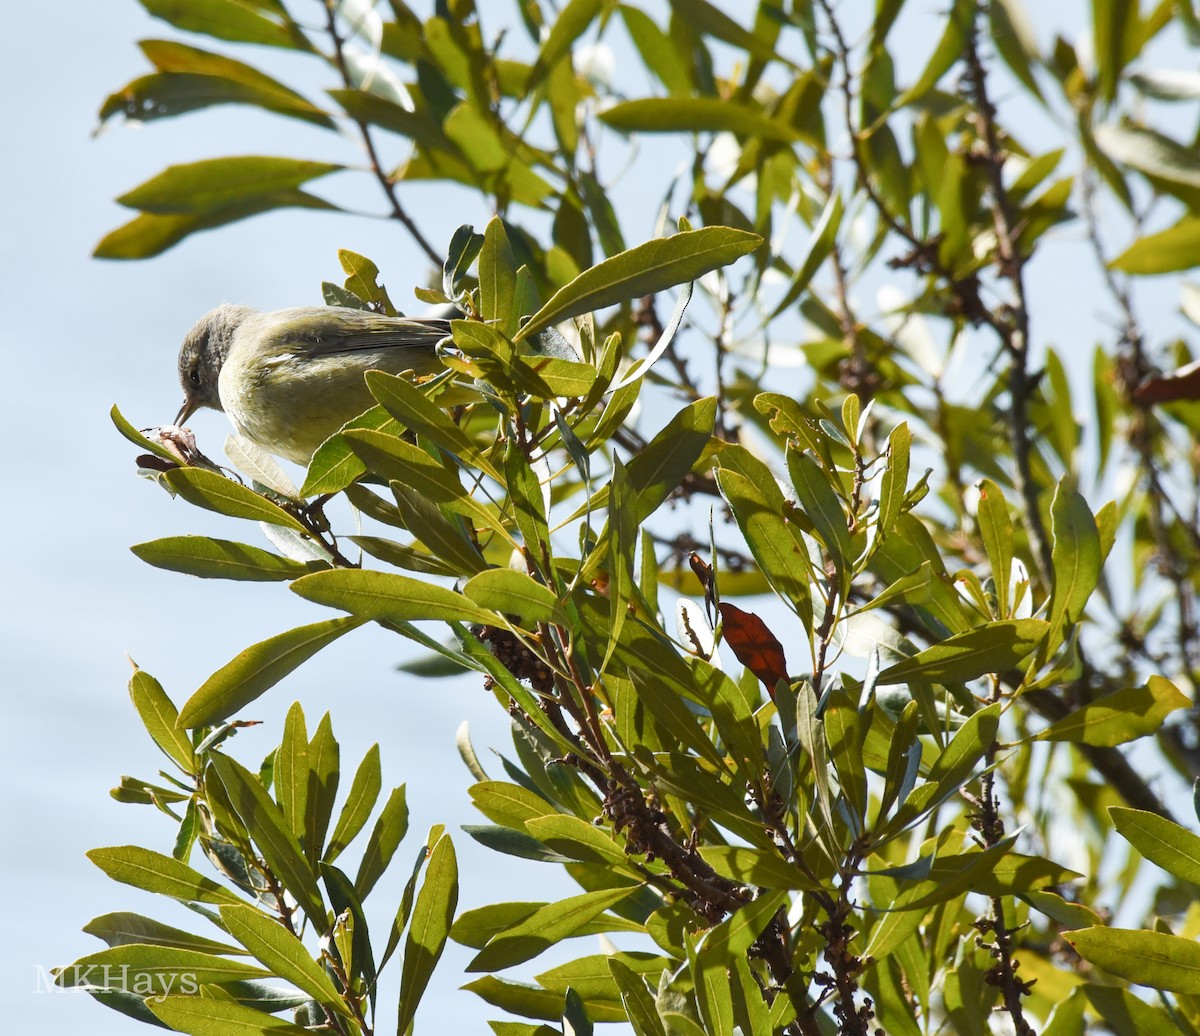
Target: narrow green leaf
[579,840]
[570,23]
[996,529]
[823,506]
[1153,959]
[497,278]
[153,969]
[636,999]
[761,867]
[324,775]
[644,270]
[439,530]
[335,465]
[386,836]
[993,648]
[1119,717]
[285,955]
[696,115]
[124,928]
[816,251]
[388,596]
[543,928]
[1173,848]
[212,558]
[291,772]
[1168,251]
[189,79]
[360,801]
[758,507]
[154,872]
[533,1002]
[232,20]
[412,408]
[266,825]
[138,439]
[257,669]
[1076,558]
[432,916]
[215,492]
[159,716]
[510,592]
[208,1016]
[214,184]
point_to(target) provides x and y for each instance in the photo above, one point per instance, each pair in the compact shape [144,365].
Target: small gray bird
[291,378]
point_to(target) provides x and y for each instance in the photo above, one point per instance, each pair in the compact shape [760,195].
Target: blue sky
[80,335]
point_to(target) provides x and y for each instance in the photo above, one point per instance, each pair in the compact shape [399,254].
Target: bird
[290,378]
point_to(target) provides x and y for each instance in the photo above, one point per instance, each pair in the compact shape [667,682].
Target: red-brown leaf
[755,646]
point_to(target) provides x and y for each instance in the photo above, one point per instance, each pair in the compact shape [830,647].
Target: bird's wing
[329,330]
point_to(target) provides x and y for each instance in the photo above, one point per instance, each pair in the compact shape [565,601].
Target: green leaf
[762,867]
[212,558]
[233,20]
[360,800]
[510,592]
[257,669]
[159,716]
[214,184]
[439,530]
[208,1016]
[138,439]
[124,928]
[996,529]
[266,825]
[362,279]
[993,648]
[1168,251]
[498,278]
[532,1002]
[696,115]
[545,927]
[569,24]
[1153,959]
[712,21]
[1016,41]
[432,916]
[155,969]
[215,492]
[1126,1014]
[823,506]
[285,955]
[636,999]
[579,840]
[334,465]
[412,408]
[643,270]
[1119,717]
[154,872]
[389,597]
[1173,848]
[150,234]
[291,772]
[1076,557]
[816,251]
[509,804]
[324,775]
[386,836]
[189,79]
[758,507]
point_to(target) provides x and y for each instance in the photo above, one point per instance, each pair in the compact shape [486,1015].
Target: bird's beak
[189,407]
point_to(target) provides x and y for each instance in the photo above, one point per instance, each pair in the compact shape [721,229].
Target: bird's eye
[195,375]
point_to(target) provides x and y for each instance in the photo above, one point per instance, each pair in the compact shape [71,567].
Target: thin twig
[385,181]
